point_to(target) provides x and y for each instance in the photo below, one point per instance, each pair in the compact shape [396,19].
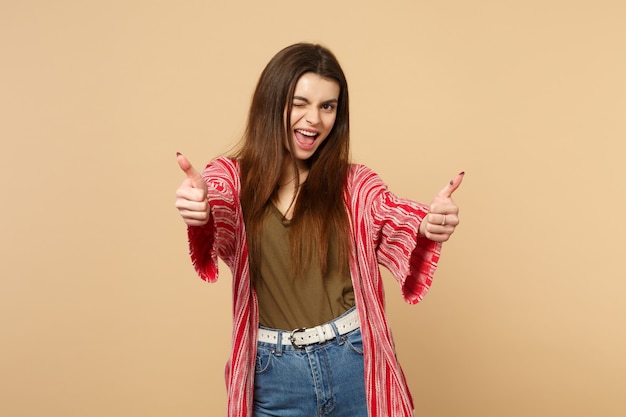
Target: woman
[304,232]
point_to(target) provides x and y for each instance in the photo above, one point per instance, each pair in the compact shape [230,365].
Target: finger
[191,205]
[441,205]
[195,222]
[187,192]
[196,179]
[440,219]
[454,183]
[194,215]
[436,237]
[439,233]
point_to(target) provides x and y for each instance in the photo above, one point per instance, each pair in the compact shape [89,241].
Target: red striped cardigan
[384,231]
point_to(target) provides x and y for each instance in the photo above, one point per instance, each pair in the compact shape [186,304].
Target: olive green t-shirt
[287,302]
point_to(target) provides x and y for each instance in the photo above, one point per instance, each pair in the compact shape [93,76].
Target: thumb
[454,183]
[196,179]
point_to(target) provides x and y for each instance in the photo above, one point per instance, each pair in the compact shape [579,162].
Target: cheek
[329,121]
[295,116]
[330,125]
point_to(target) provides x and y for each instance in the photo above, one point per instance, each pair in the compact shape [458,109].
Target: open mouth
[306,138]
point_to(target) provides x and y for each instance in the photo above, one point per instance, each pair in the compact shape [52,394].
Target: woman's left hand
[443,214]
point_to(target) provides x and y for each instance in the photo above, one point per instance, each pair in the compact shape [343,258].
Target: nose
[313,116]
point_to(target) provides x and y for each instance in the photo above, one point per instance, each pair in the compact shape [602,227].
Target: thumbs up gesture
[443,214]
[191,196]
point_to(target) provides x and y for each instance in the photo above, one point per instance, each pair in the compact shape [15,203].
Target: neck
[289,174]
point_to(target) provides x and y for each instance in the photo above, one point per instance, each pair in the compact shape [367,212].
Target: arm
[409,236]
[209,205]
[193,206]
[411,258]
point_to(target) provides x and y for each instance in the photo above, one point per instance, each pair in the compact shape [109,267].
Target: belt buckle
[292,337]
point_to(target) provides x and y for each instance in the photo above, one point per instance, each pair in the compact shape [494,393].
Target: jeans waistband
[302,337]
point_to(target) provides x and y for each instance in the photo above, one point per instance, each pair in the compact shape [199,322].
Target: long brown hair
[319,212]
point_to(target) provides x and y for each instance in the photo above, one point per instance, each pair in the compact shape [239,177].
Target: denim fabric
[320,380]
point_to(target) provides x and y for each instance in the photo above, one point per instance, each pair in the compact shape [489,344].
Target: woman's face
[313,114]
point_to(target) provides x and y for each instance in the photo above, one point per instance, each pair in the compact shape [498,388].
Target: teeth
[305,133]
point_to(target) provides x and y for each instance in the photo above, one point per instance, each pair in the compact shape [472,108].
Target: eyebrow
[306,100]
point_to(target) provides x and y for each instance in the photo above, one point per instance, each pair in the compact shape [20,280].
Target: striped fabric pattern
[384,231]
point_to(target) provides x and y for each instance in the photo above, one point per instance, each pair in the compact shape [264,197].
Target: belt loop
[338,336]
[279,343]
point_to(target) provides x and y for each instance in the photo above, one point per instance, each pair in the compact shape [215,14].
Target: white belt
[318,334]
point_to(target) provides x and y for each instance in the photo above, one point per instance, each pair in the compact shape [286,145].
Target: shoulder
[222,175]
[361,177]
[223,165]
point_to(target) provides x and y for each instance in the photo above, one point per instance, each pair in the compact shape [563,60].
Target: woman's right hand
[191,196]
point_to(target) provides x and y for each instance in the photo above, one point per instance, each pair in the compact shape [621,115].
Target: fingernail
[460,173]
[178,154]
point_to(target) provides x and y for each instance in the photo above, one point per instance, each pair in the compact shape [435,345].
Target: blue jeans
[320,380]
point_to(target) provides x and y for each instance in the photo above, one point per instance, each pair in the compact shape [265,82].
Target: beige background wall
[101,313]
